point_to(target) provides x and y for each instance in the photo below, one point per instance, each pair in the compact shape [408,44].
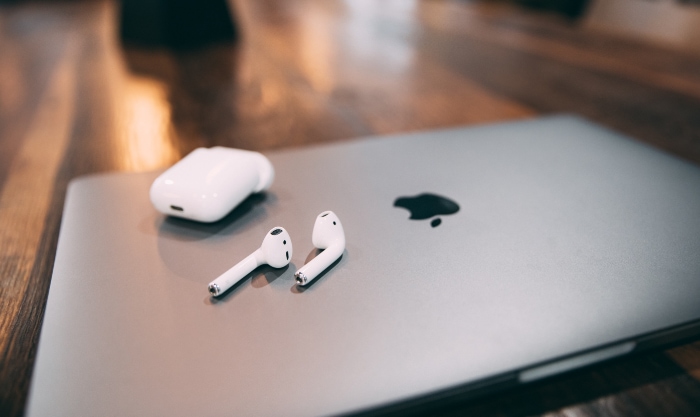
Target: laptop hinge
[669,336]
[573,362]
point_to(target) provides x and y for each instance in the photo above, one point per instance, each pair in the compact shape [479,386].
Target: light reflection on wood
[372,66]
[316,54]
[145,128]
[139,107]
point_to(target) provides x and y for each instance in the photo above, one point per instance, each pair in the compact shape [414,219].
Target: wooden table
[74,102]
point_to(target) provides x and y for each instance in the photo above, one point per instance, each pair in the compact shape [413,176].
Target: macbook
[476,259]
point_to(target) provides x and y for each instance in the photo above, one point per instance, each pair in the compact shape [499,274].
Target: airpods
[276,251]
[328,235]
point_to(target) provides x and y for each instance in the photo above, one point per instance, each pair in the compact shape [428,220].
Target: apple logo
[426,205]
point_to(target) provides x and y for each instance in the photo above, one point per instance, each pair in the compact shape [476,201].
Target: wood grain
[27,189]
[75,101]
[468,23]
[688,357]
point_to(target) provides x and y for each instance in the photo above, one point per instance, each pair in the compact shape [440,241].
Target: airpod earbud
[276,251]
[328,235]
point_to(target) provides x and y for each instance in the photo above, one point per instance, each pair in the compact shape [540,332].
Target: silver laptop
[535,247]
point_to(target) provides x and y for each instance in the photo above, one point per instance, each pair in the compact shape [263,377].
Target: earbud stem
[309,272]
[229,278]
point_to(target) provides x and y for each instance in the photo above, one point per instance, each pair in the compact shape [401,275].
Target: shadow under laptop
[600,389]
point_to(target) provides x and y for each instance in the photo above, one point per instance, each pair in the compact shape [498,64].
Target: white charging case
[209,182]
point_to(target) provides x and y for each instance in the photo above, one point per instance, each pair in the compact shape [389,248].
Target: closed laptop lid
[569,245]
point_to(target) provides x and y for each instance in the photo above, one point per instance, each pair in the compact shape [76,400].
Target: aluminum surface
[568,237]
